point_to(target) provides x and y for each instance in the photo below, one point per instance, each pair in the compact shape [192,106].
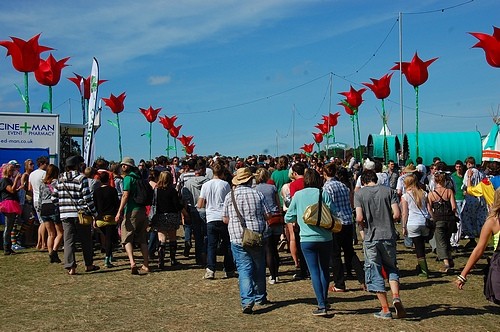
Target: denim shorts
[380,254]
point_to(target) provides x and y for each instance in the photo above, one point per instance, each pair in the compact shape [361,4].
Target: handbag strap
[73,199]
[240,217]
[320,203]
[417,206]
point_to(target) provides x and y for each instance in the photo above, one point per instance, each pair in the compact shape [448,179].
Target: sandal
[145,269]
[72,271]
[336,290]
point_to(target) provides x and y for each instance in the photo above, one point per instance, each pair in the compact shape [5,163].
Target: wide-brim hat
[243,175]
[128,161]
[410,169]
[74,161]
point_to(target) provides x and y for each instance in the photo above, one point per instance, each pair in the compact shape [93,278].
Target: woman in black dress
[167,216]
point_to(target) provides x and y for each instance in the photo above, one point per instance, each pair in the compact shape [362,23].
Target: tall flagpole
[401,82]
[293,129]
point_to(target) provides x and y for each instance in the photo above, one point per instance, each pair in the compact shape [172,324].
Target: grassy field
[38,296]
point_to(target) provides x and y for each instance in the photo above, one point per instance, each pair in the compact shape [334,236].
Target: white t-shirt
[36,179]
[214,192]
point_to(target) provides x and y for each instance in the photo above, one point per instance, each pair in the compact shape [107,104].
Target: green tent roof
[450,147]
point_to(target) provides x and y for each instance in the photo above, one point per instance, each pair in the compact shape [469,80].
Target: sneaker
[297,276]
[398,306]
[272,281]
[209,274]
[248,310]
[17,247]
[383,315]
[320,312]
[229,274]
[282,245]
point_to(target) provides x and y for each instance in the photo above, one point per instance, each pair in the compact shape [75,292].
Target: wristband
[462,278]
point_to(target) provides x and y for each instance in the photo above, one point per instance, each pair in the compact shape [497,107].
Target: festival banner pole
[92,104]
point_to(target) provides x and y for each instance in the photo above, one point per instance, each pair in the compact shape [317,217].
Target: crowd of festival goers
[214,198]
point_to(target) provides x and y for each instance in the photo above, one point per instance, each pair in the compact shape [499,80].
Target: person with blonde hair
[491,229]
[414,213]
[9,203]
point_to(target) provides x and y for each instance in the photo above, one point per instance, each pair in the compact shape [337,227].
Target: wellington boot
[424,270]
[107,262]
[173,249]
[161,256]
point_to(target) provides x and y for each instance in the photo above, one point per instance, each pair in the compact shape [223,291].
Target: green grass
[38,296]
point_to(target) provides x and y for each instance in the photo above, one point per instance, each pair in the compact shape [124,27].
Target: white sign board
[29,130]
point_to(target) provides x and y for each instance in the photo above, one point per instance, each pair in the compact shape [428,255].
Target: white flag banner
[88,153]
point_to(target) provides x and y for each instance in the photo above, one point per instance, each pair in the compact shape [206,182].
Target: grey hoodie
[191,190]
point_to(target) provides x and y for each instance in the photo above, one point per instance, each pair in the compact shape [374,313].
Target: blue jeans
[380,254]
[317,255]
[217,232]
[197,228]
[251,264]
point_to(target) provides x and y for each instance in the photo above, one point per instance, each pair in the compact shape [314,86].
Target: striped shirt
[340,196]
[252,207]
[71,194]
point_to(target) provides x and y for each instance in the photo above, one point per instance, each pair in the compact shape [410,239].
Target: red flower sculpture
[491,46]
[318,137]
[382,87]
[331,119]
[25,54]
[115,103]
[416,72]
[185,140]
[174,131]
[323,127]
[354,97]
[150,113]
[49,71]
[348,110]
[308,148]
[167,122]
[189,148]
[86,84]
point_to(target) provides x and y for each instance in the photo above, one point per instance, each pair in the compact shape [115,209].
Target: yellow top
[482,189]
